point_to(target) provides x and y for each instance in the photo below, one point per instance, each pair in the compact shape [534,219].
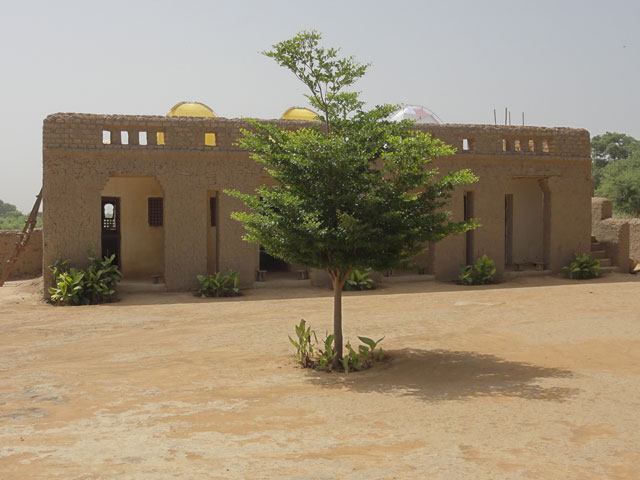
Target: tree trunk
[338,283]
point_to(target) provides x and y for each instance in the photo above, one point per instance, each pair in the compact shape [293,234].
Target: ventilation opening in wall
[160,138]
[124,137]
[106,137]
[142,138]
[210,139]
[466,144]
[155,211]
[545,146]
[532,146]
[516,145]
[505,145]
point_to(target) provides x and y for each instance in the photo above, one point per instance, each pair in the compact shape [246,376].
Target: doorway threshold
[137,285]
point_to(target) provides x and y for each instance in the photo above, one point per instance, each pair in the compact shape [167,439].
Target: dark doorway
[508,229]
[111,228]
[271,263]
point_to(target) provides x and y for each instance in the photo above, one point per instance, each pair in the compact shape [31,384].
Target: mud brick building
[150,190]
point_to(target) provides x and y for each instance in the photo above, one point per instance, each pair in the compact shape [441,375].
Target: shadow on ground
[438,375]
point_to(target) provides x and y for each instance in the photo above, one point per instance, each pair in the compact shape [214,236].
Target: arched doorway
[133,225]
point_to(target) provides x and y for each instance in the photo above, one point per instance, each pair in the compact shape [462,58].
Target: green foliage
[101,279]
[327,356]
[359,280]
[78,287]
[304,344]
[12,219]
[608,149]
[353,192]
[583,267]
[621,184]
[481,273]
[69,287]
[220,284]
[364,357]
[323,358]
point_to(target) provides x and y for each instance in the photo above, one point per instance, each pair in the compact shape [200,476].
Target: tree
[621,184]
[353,191]
[607,149]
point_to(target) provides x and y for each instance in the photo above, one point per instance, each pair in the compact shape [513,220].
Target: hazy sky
[564,63]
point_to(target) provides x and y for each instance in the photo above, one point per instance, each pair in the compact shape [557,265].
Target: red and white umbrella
[415,112]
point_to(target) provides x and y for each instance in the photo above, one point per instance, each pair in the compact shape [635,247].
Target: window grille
[155,211]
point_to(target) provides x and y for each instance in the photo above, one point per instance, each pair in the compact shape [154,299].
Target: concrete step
[598,254]
[596,246]
[605,262]
[604,270]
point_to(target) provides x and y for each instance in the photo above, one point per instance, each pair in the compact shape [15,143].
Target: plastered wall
[77,164]
[29,263]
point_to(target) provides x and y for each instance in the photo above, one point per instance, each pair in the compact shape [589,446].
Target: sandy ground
[535,378]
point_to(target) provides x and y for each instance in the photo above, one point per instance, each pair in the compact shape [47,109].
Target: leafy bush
[220,284]
[69,287]
[101,279]
[364,357]
[304,344]
[359,280]
[583,267]
[479,274]
[322,359]
[78,287]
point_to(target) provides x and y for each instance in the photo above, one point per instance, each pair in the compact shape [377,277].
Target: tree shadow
[439,375]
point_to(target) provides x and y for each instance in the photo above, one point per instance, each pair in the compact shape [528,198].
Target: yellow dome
[191,109]
[298,113]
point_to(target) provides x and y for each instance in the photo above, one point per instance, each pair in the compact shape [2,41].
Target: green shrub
[481,273]
[583,267]
[322,359]
[78,287]
[304,344]
[220,284]
[359,280]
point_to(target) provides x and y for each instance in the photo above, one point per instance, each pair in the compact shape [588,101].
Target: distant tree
[7,208]
[609,148]
[12,219]
[353,192]
[620,183]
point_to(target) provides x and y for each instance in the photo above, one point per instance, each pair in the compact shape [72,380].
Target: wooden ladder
[23,239]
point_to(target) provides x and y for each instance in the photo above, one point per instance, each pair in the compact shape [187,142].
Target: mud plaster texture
[535,378]
[77,165]
[29,263]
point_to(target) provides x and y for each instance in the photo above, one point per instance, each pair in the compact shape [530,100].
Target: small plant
[364,357]
[322,358]
[583,267]
[78,287]
[304,344]
[481,273]
[69,285]
[101,279]
[220,284]
[326,356]
[358,280]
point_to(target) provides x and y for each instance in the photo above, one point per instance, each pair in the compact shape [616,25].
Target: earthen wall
[81,152]
[29,263]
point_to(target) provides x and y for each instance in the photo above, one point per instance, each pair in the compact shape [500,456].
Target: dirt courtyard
[534,378]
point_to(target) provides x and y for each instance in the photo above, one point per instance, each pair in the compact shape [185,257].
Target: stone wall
[81,152]
[29,263]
